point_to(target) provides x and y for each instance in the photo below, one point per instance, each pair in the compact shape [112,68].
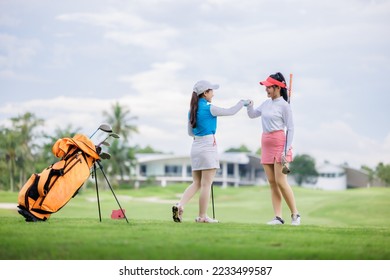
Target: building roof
[330,168]
[234,157]
[142,158]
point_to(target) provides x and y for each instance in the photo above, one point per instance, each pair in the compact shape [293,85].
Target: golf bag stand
[108,183]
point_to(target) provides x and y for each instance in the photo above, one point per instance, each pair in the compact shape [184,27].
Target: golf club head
[104,143]
[98,149]
[114,135]
[105,155]
[105,127]
[285,170]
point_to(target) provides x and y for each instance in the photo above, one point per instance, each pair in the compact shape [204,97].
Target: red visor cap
[272,82]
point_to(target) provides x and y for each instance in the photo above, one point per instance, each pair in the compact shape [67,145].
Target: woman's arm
[253,113]
[288,119]
[218,111]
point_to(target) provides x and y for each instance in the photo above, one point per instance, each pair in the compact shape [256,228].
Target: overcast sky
[67,61]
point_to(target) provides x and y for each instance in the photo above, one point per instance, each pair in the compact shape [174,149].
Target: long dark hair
[283,91]
[194,107]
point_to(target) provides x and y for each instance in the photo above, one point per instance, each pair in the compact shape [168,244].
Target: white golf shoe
[295,219]
[276,221]
[206,220]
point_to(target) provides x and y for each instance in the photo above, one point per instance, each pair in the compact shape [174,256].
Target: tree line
[26,149]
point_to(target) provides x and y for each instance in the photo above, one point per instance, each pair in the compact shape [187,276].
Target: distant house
[339,177]
[360,179]
[235,169]
[330,177]
[240,169]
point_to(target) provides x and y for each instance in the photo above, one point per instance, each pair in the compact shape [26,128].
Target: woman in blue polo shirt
[202,126]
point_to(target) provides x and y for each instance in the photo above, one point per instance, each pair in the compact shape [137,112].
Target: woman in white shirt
[276,149]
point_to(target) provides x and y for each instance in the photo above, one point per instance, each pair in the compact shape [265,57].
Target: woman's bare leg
[207,178]
[285,188]
[191,189]
[276,195]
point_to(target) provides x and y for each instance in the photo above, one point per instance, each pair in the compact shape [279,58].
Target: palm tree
[120,120]
[10,151]
[121,153]
[24,125]
[46,151]
[18,147]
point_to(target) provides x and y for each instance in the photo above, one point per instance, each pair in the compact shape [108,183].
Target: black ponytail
[193,109]
[283,91]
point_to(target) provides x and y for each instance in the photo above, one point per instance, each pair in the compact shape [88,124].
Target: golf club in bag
[47,192]
[103,127]
[286,169]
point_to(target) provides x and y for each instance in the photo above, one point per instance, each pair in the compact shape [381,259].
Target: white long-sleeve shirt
[275,115]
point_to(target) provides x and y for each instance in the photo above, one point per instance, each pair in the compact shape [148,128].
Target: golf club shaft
[212,198]
[290,87]
[94,133]
[289,99]
[97,191]
[103,127]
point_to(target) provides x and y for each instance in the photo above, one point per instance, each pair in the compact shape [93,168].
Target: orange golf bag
[47,192]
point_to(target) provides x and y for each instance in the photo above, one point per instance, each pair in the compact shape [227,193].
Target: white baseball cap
[201,86]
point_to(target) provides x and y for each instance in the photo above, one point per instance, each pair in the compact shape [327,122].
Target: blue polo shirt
[206,123]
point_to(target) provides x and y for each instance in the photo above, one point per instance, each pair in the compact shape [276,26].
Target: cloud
[109,20]
[338,143]
[148,54]
[17,52]
[126,28]
[9,21]
[155,39]
[60,111]
[160,102]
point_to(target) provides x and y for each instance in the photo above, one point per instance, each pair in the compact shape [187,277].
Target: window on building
[244,171]
[230,169]
[331,175]
[173,170]
[143,170]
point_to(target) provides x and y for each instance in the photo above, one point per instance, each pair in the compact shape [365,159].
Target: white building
[330,177]
[235,169]
[238,169]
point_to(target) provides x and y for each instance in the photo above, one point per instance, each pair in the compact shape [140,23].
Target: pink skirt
[272,147]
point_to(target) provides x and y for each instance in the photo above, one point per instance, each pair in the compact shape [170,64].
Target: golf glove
[246,102]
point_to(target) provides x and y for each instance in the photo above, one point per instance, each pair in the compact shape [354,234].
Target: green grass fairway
[342,225]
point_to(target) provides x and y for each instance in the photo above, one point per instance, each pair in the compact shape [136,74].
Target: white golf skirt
[204,153]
